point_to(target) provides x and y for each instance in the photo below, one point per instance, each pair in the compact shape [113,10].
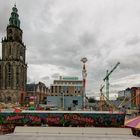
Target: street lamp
[62,100]
[84,74]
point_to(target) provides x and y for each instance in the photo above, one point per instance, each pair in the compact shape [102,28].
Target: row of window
[65,89]
[9,76]
[19,53]
[67,83]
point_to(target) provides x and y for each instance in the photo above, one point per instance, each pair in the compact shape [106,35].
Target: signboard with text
[63,119]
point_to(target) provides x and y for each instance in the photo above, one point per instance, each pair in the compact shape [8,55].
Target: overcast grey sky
[58,33]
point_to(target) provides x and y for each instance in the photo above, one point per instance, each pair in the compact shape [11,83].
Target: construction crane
[104,100]
[110,103]
[107,79]
[101,89]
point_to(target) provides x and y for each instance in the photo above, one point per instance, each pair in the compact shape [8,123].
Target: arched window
[10,31]
[10,38]
[17,52]
[15,22]
[9,75]
[17,76]
[1,98]
[9,99]
[22,77]
[9,50]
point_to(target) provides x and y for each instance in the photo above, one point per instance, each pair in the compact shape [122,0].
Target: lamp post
[84,75]
[62,100]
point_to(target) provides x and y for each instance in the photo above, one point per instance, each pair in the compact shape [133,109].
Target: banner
[63,119]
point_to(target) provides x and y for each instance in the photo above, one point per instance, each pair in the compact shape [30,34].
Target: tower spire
[15,4]
[14,18]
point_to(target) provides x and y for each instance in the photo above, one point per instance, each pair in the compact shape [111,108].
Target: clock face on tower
[21,58]
[84,60]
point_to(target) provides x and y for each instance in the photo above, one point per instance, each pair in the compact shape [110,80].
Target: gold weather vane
[15,4]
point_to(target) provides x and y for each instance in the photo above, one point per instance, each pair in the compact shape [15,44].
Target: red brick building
[36,93]
[135,97]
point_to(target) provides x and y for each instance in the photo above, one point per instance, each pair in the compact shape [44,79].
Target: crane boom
[111,71]
[107,79]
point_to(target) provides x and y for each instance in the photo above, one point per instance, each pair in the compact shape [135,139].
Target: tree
[91,100]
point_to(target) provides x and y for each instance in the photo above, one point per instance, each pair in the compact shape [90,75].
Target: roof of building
[14,19]
[30,87]
[33,86]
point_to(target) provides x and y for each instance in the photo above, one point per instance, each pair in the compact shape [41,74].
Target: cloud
[45,78]
[59,33]
[29,80]
[56,75]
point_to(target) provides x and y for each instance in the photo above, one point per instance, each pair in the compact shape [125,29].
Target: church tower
[13,67]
